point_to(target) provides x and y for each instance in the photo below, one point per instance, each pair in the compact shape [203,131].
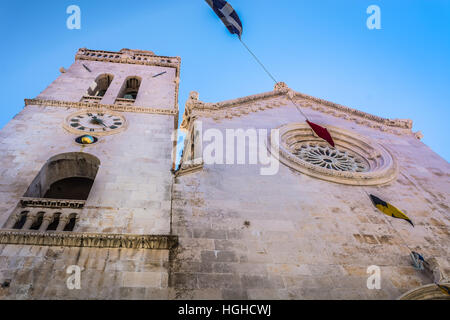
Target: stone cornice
[398,123]
[97,106]
[237,107]
[51,203]
[88,240]
[129,57]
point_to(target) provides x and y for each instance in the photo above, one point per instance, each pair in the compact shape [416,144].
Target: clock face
[95,122]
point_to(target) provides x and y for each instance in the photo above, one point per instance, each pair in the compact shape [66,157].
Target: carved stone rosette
[355,160]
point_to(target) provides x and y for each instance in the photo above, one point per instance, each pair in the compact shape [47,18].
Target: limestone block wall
[156,92]
[132,189]
[131,195]
[291,236]
[39,273]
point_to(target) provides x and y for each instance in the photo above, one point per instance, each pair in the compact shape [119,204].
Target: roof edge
[282,90]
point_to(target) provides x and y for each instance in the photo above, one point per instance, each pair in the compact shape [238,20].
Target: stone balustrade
[43,219]
[128,56]
[26,202]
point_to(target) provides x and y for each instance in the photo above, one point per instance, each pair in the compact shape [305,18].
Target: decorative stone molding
[427,292]
[399,123]
[91,99]
[279,97]
[129,56]
[99,107]
[88,240]
[124,102]
[418,135]
[356,160]
[51,203]
[40,218]
[281,87]
[188,169]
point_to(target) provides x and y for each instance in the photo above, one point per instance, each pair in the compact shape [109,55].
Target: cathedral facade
[93,205]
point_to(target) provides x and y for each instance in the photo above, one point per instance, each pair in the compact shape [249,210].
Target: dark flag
[321,132]
[389,209]
[228,16]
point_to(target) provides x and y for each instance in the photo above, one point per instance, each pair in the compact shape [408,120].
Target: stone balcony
[50,222]
[41,215]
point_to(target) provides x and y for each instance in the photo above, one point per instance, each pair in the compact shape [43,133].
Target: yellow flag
[389,209]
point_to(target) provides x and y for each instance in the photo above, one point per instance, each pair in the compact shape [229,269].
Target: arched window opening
[54,225]
[130,88]
[70,189]
[22,220]
[38,222]
[100,85]
[68,176]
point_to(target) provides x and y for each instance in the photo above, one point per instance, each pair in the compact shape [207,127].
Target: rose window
[355,160]
[331,158]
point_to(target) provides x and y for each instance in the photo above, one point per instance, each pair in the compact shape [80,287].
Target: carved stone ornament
[88,240]
[98,107]
[427,292]
[283,96]
[355,160]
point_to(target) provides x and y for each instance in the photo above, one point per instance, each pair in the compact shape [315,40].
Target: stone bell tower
[86,181]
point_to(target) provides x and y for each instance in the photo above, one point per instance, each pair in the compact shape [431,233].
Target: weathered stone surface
[241,235]
[131,195]
[297,237]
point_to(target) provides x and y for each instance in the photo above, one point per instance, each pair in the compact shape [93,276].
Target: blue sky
[322,48]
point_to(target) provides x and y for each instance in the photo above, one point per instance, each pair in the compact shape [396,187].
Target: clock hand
[102,122]
[99,121]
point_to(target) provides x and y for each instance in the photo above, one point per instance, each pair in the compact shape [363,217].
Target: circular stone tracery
[355,160]
[331,158]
